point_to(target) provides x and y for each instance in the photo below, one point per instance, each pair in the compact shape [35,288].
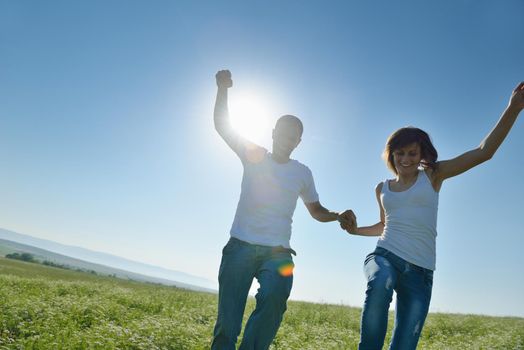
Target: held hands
[517,97]
[223,78]
[348,221]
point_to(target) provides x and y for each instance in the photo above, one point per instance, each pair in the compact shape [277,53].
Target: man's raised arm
[221,114]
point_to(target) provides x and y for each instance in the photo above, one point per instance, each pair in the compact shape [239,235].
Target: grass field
[43,307]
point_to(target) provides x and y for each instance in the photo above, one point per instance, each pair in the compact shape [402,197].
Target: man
[259,244]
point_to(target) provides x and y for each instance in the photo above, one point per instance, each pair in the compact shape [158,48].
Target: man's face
[286,138]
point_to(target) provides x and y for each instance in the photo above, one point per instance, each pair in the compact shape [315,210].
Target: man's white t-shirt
[268,199]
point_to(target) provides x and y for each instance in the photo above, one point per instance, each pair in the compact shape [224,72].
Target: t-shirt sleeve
[309,192]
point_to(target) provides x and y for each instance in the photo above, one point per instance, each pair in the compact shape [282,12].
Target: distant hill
[103,263]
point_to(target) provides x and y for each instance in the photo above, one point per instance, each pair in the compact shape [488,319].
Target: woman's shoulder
[378,188]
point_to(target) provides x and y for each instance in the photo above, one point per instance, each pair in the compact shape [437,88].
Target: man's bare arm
[241,146]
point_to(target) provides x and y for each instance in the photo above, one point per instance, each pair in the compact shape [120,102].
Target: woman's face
[407,159]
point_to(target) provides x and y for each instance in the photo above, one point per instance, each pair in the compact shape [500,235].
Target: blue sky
[107,140]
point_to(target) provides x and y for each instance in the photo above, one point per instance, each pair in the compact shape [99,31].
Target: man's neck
[279,158]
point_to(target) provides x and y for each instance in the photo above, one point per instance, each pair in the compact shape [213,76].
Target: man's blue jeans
[241,262]
[386,272]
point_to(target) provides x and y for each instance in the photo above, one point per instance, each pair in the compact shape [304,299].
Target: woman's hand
[517,97]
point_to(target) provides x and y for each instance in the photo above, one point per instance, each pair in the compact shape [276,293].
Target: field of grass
[42,307]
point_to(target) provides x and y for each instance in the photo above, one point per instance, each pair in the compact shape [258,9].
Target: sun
[250,116]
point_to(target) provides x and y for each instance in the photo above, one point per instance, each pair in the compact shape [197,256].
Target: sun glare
[250,117]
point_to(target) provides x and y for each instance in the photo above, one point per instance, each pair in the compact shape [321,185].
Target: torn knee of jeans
[389,283]
[416,330]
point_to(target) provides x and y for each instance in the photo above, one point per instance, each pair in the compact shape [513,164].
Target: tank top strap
[425,177]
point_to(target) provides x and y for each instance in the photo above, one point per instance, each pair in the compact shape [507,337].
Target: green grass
[48,308]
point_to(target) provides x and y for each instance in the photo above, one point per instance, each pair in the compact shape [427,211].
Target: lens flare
[286,269]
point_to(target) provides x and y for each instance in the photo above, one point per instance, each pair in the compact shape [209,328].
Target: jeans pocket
[378,251]
[230,247]
[382,252]
[428,278]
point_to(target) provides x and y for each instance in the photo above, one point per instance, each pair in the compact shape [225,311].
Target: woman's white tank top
[411,222]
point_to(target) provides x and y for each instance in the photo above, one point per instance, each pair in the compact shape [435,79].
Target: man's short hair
[289,120]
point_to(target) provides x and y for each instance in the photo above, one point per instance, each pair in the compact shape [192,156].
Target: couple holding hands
[403,261]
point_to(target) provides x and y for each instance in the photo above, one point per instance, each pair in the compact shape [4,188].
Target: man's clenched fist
[224,79]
